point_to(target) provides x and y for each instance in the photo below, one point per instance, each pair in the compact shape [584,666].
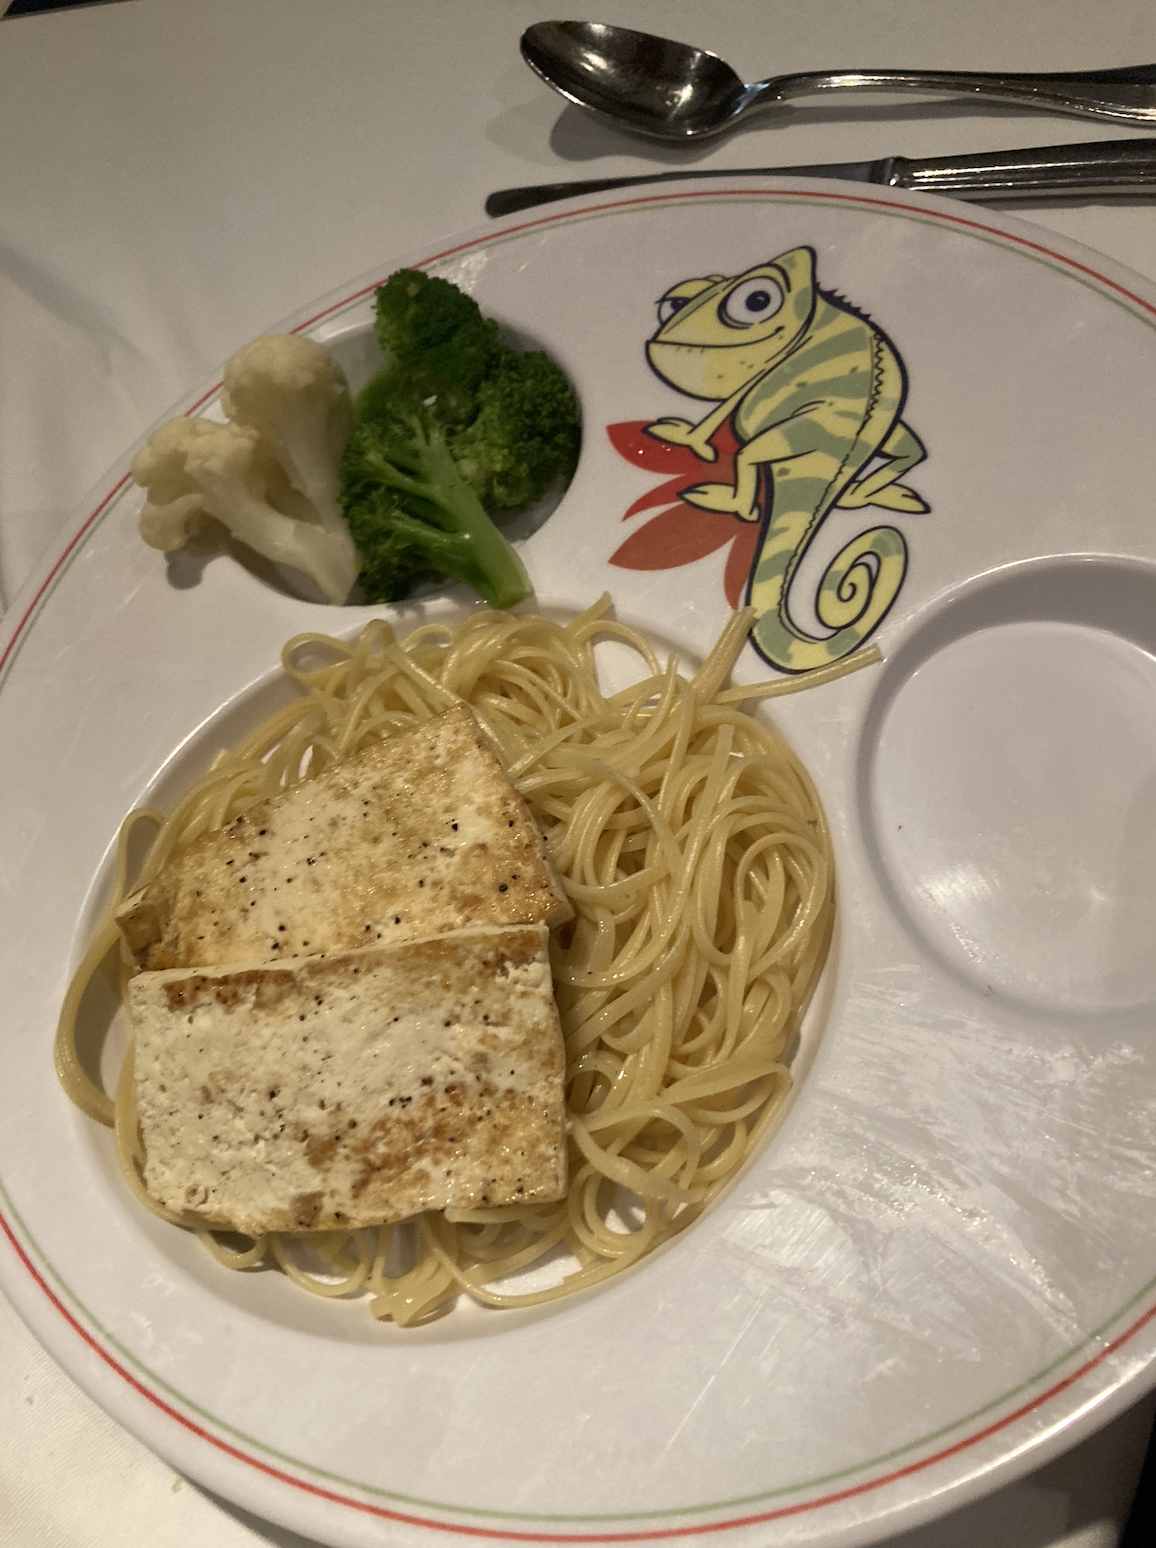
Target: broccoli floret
[436,344]
[525,433]
[456,423]
[414,518]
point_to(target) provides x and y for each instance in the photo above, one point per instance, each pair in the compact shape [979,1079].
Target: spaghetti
[694,851]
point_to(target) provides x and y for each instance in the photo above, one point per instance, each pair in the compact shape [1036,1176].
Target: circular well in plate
[1008,785]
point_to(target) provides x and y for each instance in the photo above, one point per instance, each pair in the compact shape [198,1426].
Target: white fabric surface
[176,177]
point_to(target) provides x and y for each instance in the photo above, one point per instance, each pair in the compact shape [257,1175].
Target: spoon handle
[1127,94]
[1094,169]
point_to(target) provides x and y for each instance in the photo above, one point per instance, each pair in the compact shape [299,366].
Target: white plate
[942,1269]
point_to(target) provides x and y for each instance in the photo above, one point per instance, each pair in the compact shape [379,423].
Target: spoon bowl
[674,92]
[650,84]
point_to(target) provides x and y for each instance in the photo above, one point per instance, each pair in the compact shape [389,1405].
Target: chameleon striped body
[814,392]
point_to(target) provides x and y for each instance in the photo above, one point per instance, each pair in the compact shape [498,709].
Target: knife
[1095,169]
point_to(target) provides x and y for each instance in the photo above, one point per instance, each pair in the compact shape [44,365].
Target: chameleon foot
[680,432]
[894,497]
[720,497]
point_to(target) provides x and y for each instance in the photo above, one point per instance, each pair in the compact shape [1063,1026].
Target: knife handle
[1099,168]
[508,200]
[1096,168]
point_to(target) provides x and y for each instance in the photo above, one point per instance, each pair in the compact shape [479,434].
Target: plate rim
[1102,275]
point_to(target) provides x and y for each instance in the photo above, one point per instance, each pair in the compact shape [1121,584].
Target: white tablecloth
[175,178]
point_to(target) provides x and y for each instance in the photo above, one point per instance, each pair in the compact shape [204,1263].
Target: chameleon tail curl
[856,591]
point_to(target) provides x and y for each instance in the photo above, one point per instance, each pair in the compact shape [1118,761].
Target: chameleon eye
[668,306]
[751,302]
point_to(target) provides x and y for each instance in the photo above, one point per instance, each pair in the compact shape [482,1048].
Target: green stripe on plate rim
[308,1470]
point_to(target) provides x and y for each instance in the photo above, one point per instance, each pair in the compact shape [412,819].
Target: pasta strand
[695,853]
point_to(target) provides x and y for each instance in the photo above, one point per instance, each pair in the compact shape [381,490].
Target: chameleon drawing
[813,391]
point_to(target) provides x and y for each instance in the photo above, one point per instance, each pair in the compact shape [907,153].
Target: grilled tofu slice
[421,833]
[354,1089]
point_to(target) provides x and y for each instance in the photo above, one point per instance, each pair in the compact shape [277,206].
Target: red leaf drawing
[683,532]
[674,537]
[630,441]
[670,489]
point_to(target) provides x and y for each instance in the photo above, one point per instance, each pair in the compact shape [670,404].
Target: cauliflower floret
[195,468]
[295,394]
[270,475]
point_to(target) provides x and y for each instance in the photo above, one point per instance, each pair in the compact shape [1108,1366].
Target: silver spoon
[671,91]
